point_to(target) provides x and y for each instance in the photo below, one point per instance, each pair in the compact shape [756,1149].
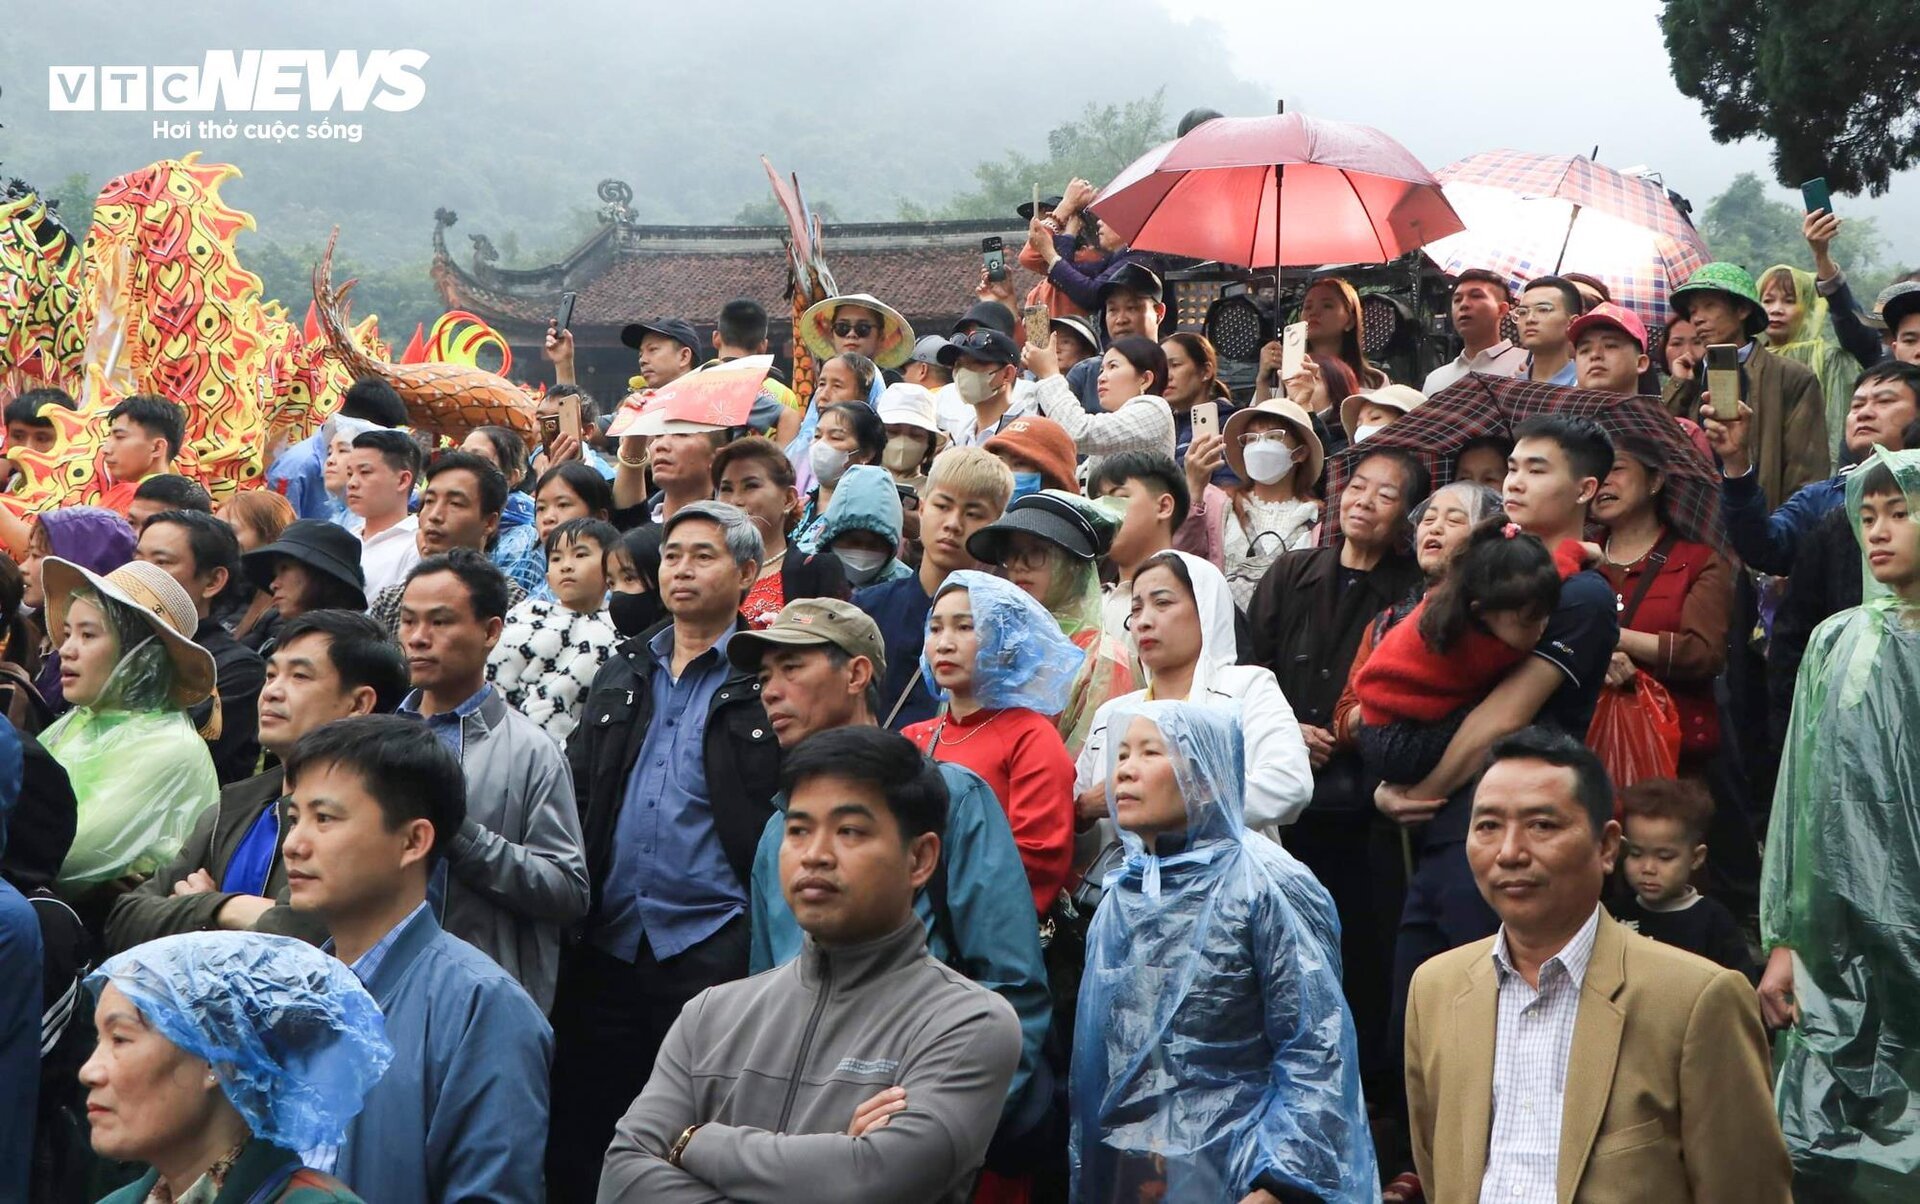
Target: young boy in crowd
[1149,493]
[1664,851]
[550,650]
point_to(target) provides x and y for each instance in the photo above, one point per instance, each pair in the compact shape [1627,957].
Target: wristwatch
[680,1145]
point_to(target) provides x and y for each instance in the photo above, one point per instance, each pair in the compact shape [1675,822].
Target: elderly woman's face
[1443,530]
[145,1095]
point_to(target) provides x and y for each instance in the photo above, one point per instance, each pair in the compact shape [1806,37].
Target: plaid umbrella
[1480,405]
[1533,215]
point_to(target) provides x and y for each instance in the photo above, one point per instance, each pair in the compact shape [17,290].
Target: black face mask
[634,613]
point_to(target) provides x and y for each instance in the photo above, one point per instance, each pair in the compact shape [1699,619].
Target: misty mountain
[527,107]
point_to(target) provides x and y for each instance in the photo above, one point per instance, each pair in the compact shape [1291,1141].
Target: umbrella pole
[1562,257]
[1279,171]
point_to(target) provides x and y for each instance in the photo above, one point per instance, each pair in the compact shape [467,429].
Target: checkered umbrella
[1480,405]
[1533,215]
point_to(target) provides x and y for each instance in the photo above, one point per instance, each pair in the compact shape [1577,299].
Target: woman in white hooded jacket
[1182,631]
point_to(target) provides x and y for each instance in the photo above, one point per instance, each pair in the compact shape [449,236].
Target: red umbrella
[1274,191]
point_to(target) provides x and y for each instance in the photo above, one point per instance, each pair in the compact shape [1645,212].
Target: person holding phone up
[1773,439]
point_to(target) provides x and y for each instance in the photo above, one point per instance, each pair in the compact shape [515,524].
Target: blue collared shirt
[446,725]
[364,967]
[1569,374]
[670,884]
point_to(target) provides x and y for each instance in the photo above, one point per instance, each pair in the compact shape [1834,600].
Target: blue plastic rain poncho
[1024,659]
[866,499]
[1214,1052]
[293,1037]
[1841,889]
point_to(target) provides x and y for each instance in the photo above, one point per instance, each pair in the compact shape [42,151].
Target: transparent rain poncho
[1214,1046]
[1075,601]
[293,1037]
[1841,889]
[1024,659]
[141,773]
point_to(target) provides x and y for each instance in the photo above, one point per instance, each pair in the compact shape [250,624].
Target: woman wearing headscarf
[1837,908]
[1797,328]
[862,527]
[91,536]
[1049,544]
[847,377]
[998,661]
[1182,628]
[1213,1055]
[222,1055]
[131,670]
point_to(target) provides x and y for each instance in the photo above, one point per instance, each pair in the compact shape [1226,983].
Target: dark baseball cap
[1134,277]
[991,314]
[1046,202]
[985,344]
[679,330]
[813,623]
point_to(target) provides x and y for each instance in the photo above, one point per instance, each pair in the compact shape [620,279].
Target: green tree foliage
[74,197]
[1746,226]
[1833,84]
[1095,146]
[401,293]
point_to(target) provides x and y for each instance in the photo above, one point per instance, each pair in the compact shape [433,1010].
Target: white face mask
[974,385]
[829,462]
[1363,433]
[862,564]
[1268,461]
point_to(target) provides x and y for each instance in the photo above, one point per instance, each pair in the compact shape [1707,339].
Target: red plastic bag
[1636,732]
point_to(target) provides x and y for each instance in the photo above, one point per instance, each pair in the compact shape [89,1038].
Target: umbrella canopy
[1279,191]
[1531,215]
[1480,405]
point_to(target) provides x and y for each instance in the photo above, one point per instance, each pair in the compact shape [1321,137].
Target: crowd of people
[985,780]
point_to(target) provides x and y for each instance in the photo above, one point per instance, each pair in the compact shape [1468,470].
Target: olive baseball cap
[813,623]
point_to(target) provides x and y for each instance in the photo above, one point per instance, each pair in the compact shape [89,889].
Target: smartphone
[1206,418]
[1723,380]
[1293,349]
[549,430]
[994,251]
[563,317]
[570,415]
[1039,322]
[1814,193]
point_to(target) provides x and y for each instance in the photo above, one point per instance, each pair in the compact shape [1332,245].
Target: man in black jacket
[676,767]
[327,665]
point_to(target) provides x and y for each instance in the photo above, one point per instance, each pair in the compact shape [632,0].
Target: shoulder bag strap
[1656,560]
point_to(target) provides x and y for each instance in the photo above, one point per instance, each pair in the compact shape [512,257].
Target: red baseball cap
[1608,314]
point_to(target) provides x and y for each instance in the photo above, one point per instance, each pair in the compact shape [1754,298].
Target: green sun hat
[1729,278]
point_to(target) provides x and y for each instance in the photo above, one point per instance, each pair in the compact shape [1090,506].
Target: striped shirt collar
[1572,958]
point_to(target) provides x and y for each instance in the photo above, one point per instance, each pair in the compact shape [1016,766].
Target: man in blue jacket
[1885,400]
[461,1114]
[819,664]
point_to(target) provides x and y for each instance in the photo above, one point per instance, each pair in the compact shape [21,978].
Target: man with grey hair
[676,766]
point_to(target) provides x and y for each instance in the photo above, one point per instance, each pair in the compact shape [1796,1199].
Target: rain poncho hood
[1839,890]
[293,1037]
[1214,1051]
[1213,599]
[94,538]
[1024,660]
[866,499]
[1075,601]
[1812,342]
[140,772]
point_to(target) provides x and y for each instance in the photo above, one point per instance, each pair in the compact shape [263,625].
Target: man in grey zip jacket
[516,874]
[861,1070]
[326,665]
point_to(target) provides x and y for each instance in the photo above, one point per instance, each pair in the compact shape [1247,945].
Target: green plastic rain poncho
[1214,1052]
[139,770]
[1074,599]
[1841,889]
[1813,343]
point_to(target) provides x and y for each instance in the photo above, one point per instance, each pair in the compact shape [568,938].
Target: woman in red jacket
[1004,670]
[1676,597]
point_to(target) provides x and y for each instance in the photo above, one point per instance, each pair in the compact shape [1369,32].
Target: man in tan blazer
[1566,1059]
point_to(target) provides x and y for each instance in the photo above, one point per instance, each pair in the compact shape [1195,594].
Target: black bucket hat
[316,543]
[1050,517]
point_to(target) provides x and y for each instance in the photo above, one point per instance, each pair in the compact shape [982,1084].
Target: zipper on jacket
[806,1042]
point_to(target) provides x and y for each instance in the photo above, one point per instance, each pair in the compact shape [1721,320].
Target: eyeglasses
[1539,309]
[1281,437]
[858,330]
[1029,557]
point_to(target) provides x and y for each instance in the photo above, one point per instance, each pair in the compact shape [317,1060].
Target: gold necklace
[940,731]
